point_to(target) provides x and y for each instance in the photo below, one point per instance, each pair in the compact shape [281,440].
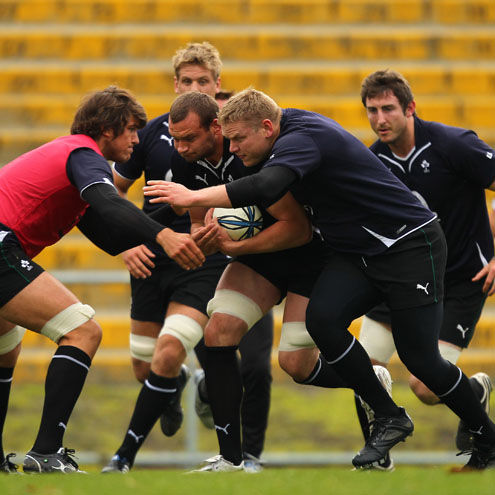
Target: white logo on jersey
[169,176]
[401,229]
[202,179]
[170,140]
[106,180]
[224,429]
[272,156]
[489,155]
[425,166]
[423,287]
[165,123]
[25,264]
[62,425]
[462,330]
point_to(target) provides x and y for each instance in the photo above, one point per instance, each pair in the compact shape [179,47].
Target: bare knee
[298,364]
[422,392]
[224,330]
[168,357]
[9,359]
[86,337]
[141,369]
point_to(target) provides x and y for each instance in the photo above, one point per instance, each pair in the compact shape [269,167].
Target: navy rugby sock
[224,385]
[464,402]
[156,393]
[323,375]
[5,384]
[64,381]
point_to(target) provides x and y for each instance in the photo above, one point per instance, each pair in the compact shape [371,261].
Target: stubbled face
[119,148]
[387,118]
[191,140]
[196,78]
[248,143]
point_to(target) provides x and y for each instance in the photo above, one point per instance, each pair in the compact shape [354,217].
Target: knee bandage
[184,328]
[377,340]
[67,320]
[294,337]
[234,303]
[9,340]
[449,352]
[142,347]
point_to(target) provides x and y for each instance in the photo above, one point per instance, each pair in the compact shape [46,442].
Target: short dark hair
[223,94]
[203,105]
[111,108]
[382,81]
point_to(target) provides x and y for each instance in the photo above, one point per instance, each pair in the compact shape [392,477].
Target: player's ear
[267,127]
[107,133]
[410,109]
[216,127]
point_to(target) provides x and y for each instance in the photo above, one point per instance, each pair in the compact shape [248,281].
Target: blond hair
[204,54]
[250,106]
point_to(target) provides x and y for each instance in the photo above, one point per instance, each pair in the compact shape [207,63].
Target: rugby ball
[240,223]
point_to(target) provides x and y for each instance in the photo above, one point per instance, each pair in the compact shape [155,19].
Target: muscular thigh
[241,278]
[38,302]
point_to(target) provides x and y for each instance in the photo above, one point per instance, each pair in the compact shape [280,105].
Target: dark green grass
[324,481]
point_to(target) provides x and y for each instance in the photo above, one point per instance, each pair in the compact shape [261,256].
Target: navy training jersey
[201,173]
[357,203]
[151,156]
[85,167]
[449,169]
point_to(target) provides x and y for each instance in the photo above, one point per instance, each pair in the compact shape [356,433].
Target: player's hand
[138,261]
[223,241]
[488,273]
[181,248]
[206,239]
[169,192]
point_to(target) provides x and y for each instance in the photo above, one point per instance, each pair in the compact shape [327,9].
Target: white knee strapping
[184,328]
[234,303]
[142,347]
[449,352]
[294,337]
[71,317]
[9,340]
[377,340]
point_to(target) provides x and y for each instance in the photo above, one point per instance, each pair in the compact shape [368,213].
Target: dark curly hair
[111,108]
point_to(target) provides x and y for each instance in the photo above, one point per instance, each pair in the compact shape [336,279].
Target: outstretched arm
[127,226]
[263,188]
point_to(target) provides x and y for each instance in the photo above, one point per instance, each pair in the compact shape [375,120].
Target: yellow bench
[248,11]
[252,42]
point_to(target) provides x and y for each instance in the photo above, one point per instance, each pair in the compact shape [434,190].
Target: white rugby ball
[240,223]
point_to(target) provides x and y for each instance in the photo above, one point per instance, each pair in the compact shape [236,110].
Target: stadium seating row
[249,42]
[249,11]
[328,79]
